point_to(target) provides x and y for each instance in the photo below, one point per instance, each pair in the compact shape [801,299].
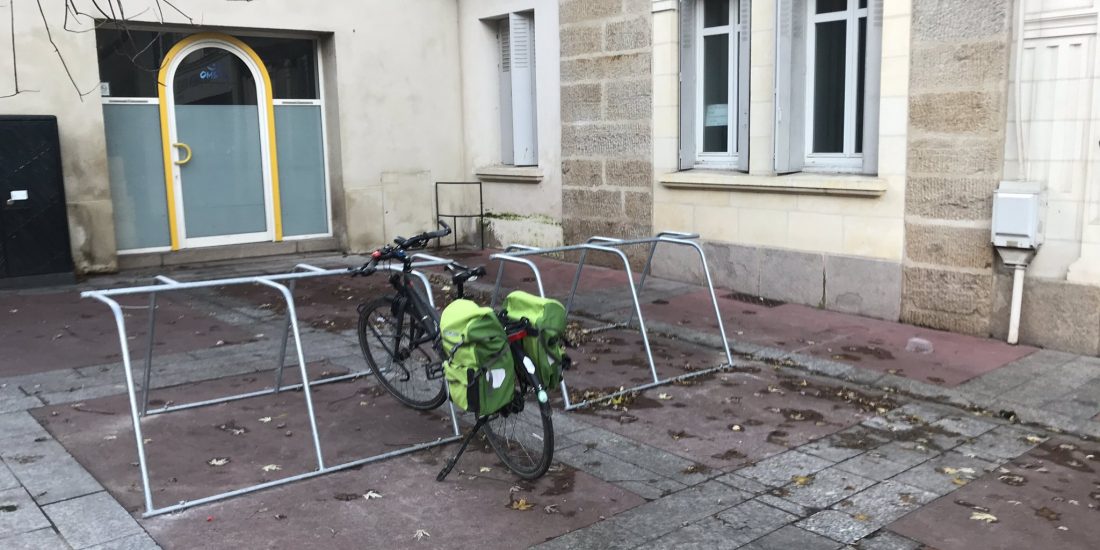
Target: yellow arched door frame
[166,139]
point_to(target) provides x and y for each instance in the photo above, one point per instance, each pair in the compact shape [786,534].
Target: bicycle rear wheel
[524,440]
[411,373]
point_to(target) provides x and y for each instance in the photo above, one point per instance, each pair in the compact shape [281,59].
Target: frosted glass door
[217,117]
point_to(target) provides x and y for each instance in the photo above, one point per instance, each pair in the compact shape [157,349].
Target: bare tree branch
[57,50]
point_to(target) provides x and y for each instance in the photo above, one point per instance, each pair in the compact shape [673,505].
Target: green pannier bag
[478,361]
[547,347]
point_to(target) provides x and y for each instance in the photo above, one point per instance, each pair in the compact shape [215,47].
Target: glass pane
[716,65]
[136,167]
[217,116]
[129,62]
[213,76]
[862,3]
[302,192]
[829,6]
[861,77]
[829,87]
[292,64]
[716,13]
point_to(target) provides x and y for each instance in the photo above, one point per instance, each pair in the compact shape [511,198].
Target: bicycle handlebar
[390,252]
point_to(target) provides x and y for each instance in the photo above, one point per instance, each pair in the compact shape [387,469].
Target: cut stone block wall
[607,112]
[957,108]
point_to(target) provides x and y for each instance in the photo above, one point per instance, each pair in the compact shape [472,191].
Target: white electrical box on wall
[1016,209]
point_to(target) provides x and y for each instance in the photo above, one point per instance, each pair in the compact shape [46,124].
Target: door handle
[187,149]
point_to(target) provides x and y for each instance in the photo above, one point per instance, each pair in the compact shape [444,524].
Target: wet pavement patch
[203,451]
[52,331]
[1046,498]
[722,420]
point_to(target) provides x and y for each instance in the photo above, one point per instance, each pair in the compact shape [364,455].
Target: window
[714,99]
[518,119]
[827,76]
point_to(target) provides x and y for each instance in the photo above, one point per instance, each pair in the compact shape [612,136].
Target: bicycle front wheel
[524,440]
[394,345]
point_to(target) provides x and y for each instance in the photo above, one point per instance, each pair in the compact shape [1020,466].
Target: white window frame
[728,158]
[796,28]
[692,110]
[848,160]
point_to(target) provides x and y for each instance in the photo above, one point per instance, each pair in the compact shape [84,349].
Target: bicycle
[410,366]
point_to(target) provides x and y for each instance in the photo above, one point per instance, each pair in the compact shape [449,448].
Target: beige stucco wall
[394,105]
[842,225]
[520,212]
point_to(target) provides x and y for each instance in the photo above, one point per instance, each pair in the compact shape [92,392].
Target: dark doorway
[34,226]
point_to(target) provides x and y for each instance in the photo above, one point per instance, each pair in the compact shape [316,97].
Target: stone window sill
[801,183]
[510,174]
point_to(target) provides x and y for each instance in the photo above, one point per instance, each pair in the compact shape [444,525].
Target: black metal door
[34,226]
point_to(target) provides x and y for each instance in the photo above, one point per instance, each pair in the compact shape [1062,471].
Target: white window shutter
[872,80]
[743,85]
[790,87]
[687,84]
[507,155]
[524,117]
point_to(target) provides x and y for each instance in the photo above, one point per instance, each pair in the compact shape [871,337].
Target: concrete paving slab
[778,470]
[887,540]
[91,520]
[945,473]
[793,537]
[845,444]
[837,526]
[7,479]
[635,479]
[41,539]
[1001,443]
[46,469]
[654,519]
[1047,498]
[824,488]
[140,541]
[753,519]
[18,514]
[16,424]
[885,461]
[705,534]
[883,503]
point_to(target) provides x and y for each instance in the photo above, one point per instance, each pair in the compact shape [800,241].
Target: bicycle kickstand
[451,463]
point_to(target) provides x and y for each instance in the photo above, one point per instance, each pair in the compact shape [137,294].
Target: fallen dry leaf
[420,533]
[265,419]
[521,505]
[372,494]
[861,517]
[551,508]
[484,469]
[271,468]
[802,481]
[736,427]
[984,516]
[959,481]
[1034,439]
[664,396]
[218,461]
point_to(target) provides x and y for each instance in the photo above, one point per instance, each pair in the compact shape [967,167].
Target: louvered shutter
[790,88]
[507,147]
[872,80]
[743,100]
[524,118]
[687,84]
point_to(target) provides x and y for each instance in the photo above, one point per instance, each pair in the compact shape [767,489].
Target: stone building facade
[836,153]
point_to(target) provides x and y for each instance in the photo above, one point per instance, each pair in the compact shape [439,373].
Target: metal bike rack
[515,254]
[138,408]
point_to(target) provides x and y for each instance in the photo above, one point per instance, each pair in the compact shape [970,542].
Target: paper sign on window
[717,115]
